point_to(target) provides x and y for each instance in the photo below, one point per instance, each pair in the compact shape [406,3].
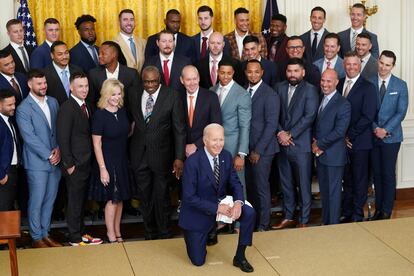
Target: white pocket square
[393,93]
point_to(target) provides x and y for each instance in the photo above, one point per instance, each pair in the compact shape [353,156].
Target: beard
[89,41]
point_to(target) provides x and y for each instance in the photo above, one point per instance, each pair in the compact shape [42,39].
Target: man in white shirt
[331,59]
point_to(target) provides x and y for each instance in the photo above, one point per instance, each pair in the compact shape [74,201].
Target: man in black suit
[168,61]
[202,107]
[208,66]
[111,68]
[184,45]
[359,138]
[10,79]
[157,148]
[251,50]
[74,138]
[59,72]
[314,38]
[20,51]
[85,53]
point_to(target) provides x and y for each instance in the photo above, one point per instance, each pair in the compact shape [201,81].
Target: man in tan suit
[132,47]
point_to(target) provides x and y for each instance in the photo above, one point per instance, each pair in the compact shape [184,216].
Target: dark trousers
[8,190]
[330,186]
[296,168]
[152,191]
[77,187]
[383,158]
[258,189]
[356,184]
[196,242]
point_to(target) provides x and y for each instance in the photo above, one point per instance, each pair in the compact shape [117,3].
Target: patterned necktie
[328,65]
[166,72]
[382,91]
[290,93]
[251,91]
[25,59]
[16,140]
[213,74]
[94,56]
[148,109]
[132,46]
[353,41]
[273,51]
[17,89]
[191,111]
[216,170]
[347,88]
[314,44]
[204,47]
[65,82]
[84,110]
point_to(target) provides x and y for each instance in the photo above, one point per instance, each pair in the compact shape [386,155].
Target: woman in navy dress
[109,181]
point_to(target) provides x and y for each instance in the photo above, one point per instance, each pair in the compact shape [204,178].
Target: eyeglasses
[294,47]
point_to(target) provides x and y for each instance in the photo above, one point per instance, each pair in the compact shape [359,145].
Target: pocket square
[393,93]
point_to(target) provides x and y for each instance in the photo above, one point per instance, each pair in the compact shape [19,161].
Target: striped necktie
[216,170]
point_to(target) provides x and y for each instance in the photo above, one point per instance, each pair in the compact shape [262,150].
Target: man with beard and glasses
[85,53]
[131,46]
[299,104]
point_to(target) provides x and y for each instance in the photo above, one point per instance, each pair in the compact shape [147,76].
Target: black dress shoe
[212,237]
[376,216]
[386,216]
[243,265]
[345,219]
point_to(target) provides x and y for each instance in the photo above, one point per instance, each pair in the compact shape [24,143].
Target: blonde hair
[107,90]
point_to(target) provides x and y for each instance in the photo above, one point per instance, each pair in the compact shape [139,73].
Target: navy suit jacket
[363,100]
[269,75]
[264,121]
[184,46]
[298,117]
[21,79]
[339,66]
[393,108]
[80,56]
[307,40]
[179,62]
[197,47]
[206,111]
[345,40]
[312,74]
[201,194]
[41,57]
[330,130]
[6,148]
[17,60]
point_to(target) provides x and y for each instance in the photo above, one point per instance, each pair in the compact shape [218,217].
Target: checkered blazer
[234,50]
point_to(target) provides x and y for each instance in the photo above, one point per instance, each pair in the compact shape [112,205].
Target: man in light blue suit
[392,95]
[299,104]
[331,59]
[41,55]
[36,118]
[236,113]
[334,115]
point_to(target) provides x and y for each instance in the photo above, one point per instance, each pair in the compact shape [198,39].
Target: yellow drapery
[149,15]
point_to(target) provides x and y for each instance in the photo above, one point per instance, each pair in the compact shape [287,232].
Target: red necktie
[328,65]
[84,110]
[204,47]
[166,73]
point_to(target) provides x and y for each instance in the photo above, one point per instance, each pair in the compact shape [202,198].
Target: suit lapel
[162,95]
[355,86]
[331,102]
[39,111]
[207,168]
[257,93]
[295,95]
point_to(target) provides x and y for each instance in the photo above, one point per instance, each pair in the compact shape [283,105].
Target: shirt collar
[116,70]
[254,87]
[37,100]
[366,58]
[5,118]
[387,80]
[8,78]
[239,36]
[353,79]
[153,95]
[48,43]
[195,94]
[320,32]
[126,37]
[228,86]
[208,35]
[332,61]
[79,101]
[209,156]
[15,45]
[220,56]
[330,95]
[358,31]
[59,70]
[170,57]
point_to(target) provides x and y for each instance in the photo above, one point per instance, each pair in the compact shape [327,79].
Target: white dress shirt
[223,91]
[319,37]
[254,88]
[239,40]
[352,84]
[19,53]
[169,64]
[113,75]
[44,107]
[331,66]
[14,158]
[218,59]
[364,61]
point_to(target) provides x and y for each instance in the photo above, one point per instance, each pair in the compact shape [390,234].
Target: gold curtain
[149,16]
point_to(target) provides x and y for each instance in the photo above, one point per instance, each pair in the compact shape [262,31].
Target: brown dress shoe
[39,244]
[51,243]
[302,225]
[286,223]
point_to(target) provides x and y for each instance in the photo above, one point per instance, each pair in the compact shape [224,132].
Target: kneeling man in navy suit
[209,176]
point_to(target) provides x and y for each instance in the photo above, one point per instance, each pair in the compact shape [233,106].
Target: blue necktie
[132,46]
[94,57]
[65,82]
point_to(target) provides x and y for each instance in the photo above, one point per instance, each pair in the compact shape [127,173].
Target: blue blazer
[197,47]
[339,66]
[269,74]
[330,130]
[41,57]
[80,56]
[345,41]
[265,117]
[39,139]
[201,194]
[236,112]
[21,79]
[363,100]
[392,110]
[184,47]
[298,117]
[6,148]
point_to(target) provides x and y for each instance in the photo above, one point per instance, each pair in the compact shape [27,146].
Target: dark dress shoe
[386,216]
[345,219]
[286,223]
[51,243]
[302,225]
[212,237]
[39,244]
[243,265]
[376,216]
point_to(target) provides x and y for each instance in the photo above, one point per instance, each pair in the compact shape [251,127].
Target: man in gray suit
[236,113]
[299,104]
[369,64]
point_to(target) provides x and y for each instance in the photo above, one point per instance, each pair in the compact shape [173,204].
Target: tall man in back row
[208,177]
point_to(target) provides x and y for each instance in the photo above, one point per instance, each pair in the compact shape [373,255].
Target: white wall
[6,13]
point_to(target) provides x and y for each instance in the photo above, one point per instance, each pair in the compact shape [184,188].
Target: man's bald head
[190,79]
[216,43]
[329,81]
